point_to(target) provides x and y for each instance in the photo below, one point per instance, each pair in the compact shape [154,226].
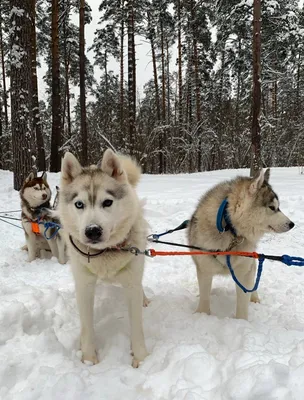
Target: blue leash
[258,277]
[48,225]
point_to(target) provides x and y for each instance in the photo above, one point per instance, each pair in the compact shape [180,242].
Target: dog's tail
[132,169]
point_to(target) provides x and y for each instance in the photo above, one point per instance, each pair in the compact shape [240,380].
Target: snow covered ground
[193,356]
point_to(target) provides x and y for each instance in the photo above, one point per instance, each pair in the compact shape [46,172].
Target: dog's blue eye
[107,203]
[79,204]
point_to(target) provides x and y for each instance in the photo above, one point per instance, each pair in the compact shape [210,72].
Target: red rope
[155,253]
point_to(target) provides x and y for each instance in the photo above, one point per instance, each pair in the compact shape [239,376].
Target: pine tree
[21,90]
[56,105]
[256,96]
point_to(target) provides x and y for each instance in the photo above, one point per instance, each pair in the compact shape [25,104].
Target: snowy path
[193,357]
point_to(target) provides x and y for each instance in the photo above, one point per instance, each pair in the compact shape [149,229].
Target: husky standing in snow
[102,217]
[35,196]
[250,208]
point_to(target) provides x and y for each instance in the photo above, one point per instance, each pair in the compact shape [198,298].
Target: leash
[9,212]
[48,225]
[180,227]
[10,223]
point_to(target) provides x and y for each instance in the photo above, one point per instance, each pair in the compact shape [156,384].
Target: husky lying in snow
[253,209]
[101,214]
[35,196]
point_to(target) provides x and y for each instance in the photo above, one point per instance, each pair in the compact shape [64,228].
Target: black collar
[100,252]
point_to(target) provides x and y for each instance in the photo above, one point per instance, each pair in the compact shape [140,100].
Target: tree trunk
[197,86]
[1,133]
[180,76]
[55,160]
[131,78]
[256,96]
[21,90]
[151,34]
[122,96]
[3,74]
[162,133]
[37,127]
[67,57]
[83,114]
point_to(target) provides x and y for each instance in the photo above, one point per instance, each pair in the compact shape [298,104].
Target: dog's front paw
[254,298]
[89,357]
[146,301]
[203,309]
[139,357]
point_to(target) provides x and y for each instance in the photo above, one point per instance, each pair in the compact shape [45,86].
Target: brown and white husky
[35,196]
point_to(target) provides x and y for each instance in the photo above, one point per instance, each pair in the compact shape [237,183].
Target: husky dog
[101,217]
[253,209]
[35,197]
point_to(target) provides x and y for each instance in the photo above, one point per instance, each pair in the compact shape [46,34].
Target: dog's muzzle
[93,232]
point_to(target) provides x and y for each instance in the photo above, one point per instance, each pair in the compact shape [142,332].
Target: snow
[192,356]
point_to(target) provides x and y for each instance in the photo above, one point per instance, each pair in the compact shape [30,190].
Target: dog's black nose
[291,225]
[93,232]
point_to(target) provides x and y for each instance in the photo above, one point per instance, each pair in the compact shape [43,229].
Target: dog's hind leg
[85,283]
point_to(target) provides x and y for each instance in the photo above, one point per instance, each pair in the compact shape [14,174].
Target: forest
[226,91]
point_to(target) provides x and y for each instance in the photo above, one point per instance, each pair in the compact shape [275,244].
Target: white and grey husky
[252,209]
[35,196]
[102,217]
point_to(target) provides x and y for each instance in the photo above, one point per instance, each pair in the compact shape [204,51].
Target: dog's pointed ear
[30,177]
[267,175]
[257,182]
[70,168]
[44,176]
[111,165]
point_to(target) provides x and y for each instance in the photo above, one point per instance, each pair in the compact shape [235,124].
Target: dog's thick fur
[254,210]
[35,196]
[85,203]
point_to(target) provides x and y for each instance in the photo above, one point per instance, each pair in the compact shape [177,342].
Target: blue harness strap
[289,260]
[223,214]
[48,225]
[258,277]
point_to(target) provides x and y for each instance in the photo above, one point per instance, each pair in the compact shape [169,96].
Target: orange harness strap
[35,227]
